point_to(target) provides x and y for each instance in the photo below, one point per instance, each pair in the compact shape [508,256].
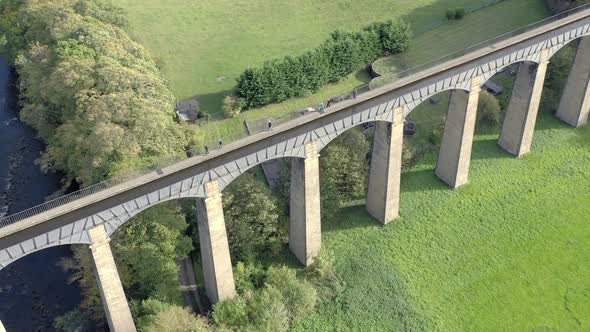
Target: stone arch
[569,37]
[121,220]
[5,261]
[329,139]
[420,101]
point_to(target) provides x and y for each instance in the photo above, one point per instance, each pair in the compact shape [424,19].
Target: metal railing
[260,125]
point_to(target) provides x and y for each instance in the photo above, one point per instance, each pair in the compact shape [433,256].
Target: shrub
[459,13]
[322,275]
[435,137]
[268,311]
[203,115]
[408,155]
[488,110]
[232,106]
[451,13]
[145,311]
[299,295]
[395,37]
[231,313]
[73,321]
[176,319]
[248,276]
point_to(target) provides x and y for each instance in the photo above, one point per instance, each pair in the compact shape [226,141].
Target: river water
[33,290]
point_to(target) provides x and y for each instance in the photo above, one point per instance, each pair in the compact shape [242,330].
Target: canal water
[34,290]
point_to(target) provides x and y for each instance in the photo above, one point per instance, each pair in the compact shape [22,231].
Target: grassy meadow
[455,35]
[202,55]
[203,45]
[507,252]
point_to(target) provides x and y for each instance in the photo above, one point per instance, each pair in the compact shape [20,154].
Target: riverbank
[33,290]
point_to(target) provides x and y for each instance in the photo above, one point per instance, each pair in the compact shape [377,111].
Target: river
[34,290]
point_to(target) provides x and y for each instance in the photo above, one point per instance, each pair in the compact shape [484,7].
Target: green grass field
[202,54]
[508,252]
[456,35]
[203,45]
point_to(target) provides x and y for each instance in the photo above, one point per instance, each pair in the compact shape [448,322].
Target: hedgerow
[341,54]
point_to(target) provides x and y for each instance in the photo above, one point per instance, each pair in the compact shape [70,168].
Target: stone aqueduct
[92,219]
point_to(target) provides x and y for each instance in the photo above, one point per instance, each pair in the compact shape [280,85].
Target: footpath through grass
[508,252]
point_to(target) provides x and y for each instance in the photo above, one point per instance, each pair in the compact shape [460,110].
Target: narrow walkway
[188,284]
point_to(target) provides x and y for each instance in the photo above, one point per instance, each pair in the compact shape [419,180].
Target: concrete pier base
[305,235]
[383,194]
[574,106]
[111,291]
[454,156]
[518,128]
[217,269]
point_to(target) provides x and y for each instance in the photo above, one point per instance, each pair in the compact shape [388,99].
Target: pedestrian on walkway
[220,144]
[269,125]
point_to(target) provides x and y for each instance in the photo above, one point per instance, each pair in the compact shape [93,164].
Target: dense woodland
[93,94]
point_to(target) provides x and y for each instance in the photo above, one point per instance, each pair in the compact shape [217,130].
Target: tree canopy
[94,94]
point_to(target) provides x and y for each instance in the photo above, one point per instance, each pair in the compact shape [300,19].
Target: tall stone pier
[454,156]
[305,231]
[217,269]
[518,128]
[111,291]
[575,100]
[386,164]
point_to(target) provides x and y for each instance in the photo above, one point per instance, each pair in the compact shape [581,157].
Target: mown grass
[507,252]
[456,35]
[202,54]
[203,45]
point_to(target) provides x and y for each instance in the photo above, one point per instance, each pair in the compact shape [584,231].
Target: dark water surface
[34,289]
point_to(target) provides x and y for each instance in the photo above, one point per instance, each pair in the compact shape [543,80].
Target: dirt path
[188,284]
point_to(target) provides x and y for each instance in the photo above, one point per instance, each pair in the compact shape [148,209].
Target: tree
[283,299]
[343,170]
[557,73]
[176,319]
[145,250]
[74,321]
[268,311]
[233,313]
[488,110]
[95,95]
[252,218]
[232,106]
[299,295]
